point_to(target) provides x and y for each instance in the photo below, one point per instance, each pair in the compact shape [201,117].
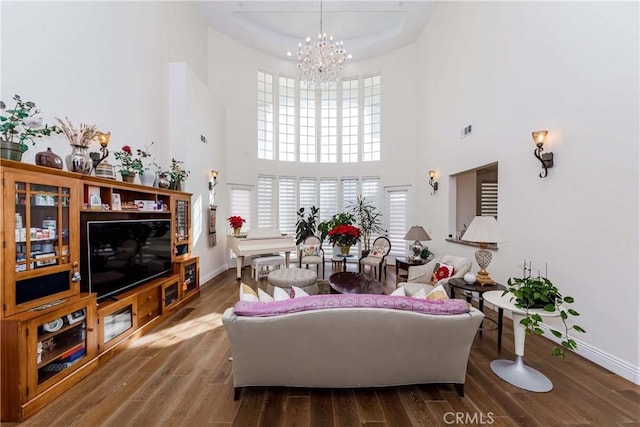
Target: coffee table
[354,283]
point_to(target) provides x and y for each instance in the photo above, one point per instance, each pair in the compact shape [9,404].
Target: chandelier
[321,61]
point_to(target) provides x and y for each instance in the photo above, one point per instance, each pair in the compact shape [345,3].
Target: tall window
[371,145]
[397,223]
[308,193]
[328,198]
[350,128]
[266,202]
[371,194]
[286,120]
[265,116]
[287,205]
[307,125]
[319,125]
[349,188]
[240,203]
[329,127]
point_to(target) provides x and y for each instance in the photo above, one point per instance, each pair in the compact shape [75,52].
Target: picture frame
[116,203]
[95,202]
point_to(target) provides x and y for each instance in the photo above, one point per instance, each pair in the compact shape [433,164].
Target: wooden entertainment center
[51,334]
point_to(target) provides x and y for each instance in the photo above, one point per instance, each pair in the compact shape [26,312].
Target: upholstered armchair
[419,276]
[377,257]
[311,252]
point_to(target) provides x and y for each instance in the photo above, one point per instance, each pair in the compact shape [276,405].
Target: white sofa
[350,347]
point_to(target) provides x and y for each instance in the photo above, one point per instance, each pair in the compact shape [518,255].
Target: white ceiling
[367,28]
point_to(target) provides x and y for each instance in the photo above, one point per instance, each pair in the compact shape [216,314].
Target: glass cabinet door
[41,229]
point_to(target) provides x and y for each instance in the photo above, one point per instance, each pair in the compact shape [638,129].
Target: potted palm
[368,218]
[20,125]
[539,292]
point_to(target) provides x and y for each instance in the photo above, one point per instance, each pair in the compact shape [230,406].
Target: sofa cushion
[247,293]
[279,294]
[322,302]
[263,296]
[437,293]
[441,271]
[297,292]
[400,292]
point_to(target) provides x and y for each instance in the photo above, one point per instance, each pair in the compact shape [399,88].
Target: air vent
[466,131]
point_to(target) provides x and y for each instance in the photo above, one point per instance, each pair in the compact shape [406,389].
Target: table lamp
[416,233]
[484,230]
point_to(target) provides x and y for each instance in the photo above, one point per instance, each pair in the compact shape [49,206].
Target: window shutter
[489,198]
[397,206]
[240,203]
[328,198]
[308,193]
[287,205]
[266,211]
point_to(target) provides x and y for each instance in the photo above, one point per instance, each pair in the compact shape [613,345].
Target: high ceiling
[367,28]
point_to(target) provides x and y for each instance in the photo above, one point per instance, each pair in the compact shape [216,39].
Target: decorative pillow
[378,252]
[310,250]
[441,271]
[421,294]
[280,294]
[297,292]
[263,296]
[437,293]
[400,292]
[247,293]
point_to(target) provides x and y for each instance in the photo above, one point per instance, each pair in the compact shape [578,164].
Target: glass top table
[354,283]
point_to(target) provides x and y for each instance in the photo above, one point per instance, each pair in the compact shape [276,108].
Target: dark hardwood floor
[180,375]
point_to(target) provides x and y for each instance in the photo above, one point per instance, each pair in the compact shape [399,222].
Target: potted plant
[368,218]
[177,174]
[344,235]
[147,176]
[306,227]
[235,222]
[129,165]
[19,125]
[539,292]
[337,219]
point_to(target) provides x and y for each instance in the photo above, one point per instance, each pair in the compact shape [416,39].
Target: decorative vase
[176,185]
[79,160]
[236,231]
[49,159]
[128,177]
[345,249]
[470,278]
[148,177]
[10,150]
[163,181]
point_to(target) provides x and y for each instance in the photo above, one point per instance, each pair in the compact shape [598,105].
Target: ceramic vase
[148,177]
[345,249]
[236,231]
[163,181]
[79,160]
[49,159]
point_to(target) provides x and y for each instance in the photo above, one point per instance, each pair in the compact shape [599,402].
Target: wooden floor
[180,375]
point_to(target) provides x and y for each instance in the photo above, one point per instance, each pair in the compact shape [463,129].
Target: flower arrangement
[129,164]
[344,235]
[82,136]
[142,154]
[236,221]
[21,123]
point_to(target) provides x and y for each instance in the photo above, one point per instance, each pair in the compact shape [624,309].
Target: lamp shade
[484,229]
[417,233]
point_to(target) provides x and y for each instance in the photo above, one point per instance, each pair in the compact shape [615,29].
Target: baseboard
[617,366]
[212,274]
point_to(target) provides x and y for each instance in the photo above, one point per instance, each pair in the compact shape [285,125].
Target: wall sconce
[547,158]
[432,183]
[213,179]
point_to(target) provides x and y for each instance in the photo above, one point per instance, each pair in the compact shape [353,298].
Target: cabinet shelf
[57,353]
[45,336]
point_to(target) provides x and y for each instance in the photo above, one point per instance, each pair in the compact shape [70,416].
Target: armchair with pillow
[377,257]
[311,252]
[428,277]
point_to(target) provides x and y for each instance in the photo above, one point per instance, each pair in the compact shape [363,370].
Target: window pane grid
[265,116]
[350,128]
[328,126]
[286,120]
[371,131]
[307,125]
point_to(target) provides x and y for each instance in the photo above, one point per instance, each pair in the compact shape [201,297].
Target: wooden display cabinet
[181,210]
[41,349]
[170,293]
[189,271]
[116,321]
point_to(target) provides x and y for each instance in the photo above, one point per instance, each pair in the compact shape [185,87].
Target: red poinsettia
[344,235]
[236,221]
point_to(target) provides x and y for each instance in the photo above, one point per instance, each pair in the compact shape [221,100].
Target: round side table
[515,371]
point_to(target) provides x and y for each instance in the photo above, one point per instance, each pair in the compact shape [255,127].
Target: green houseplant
[306,227]
[368,218]
[337,219]
[539,292]
[20,125]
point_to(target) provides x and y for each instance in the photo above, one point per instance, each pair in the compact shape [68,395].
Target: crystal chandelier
[321,61]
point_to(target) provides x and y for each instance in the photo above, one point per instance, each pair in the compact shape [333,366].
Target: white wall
[510,68]
[108,63]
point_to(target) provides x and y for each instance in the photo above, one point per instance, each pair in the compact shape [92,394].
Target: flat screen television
[122,254]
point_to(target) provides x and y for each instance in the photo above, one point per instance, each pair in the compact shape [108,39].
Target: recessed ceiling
[367,28]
